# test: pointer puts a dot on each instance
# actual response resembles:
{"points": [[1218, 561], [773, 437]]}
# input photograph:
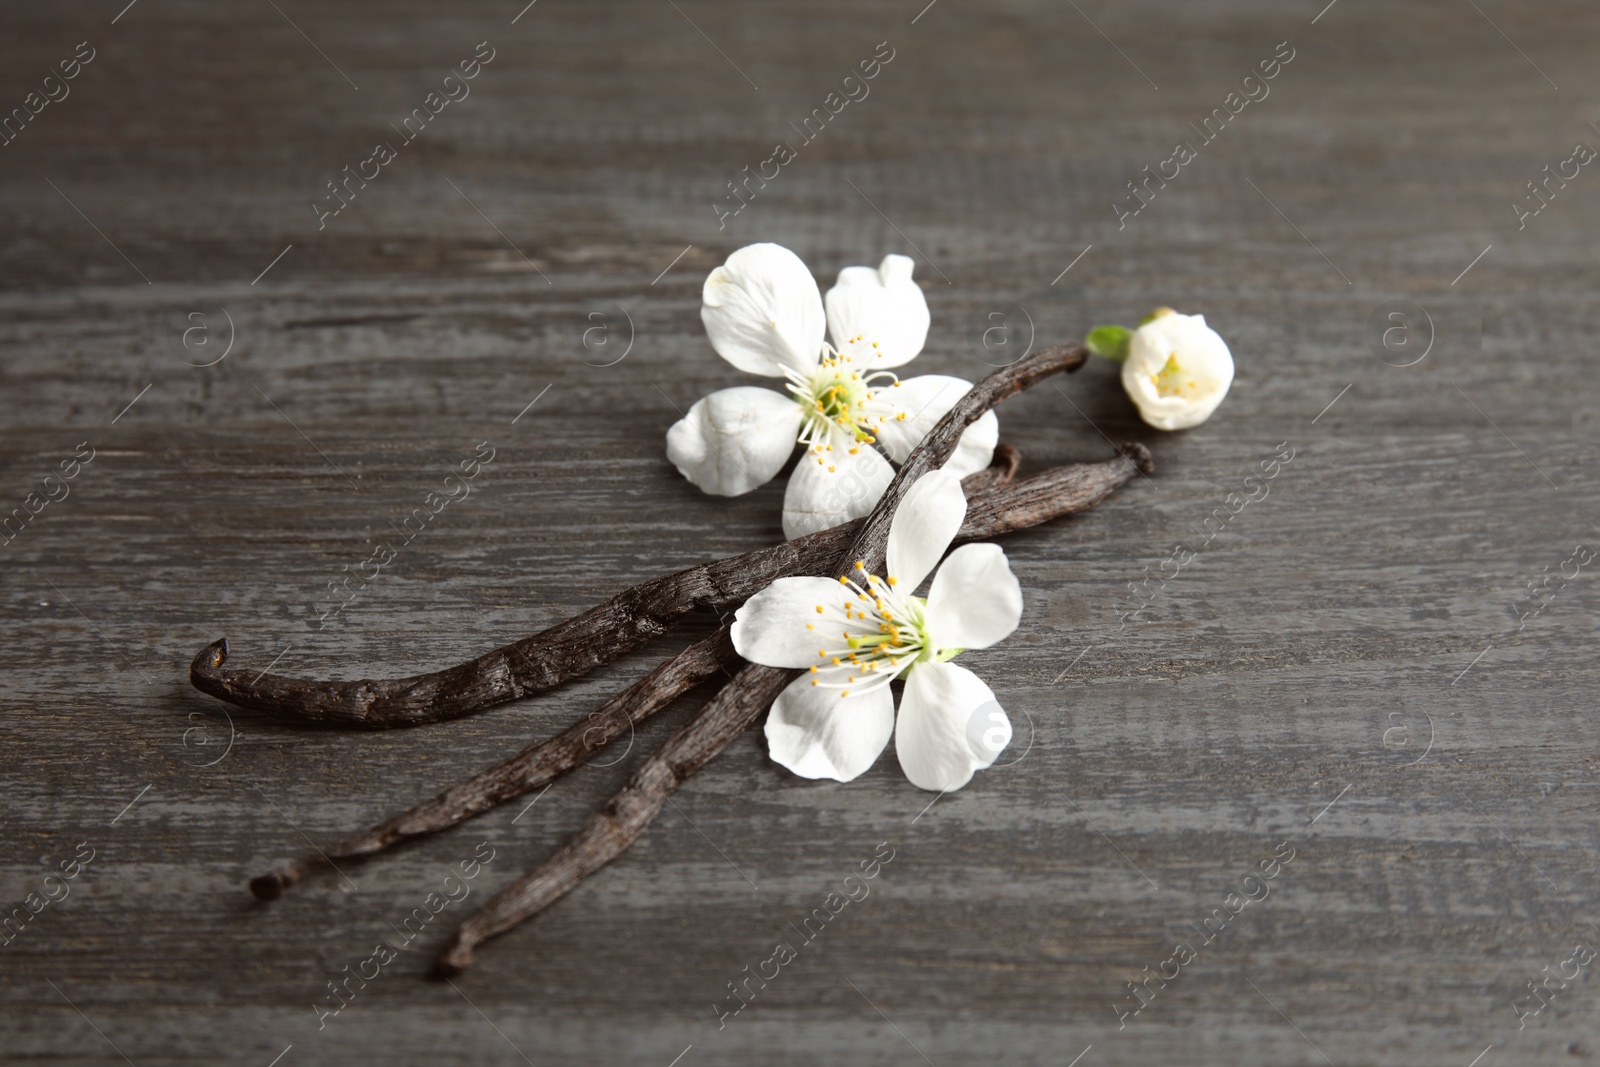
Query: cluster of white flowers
{"points": [[844, 403]]}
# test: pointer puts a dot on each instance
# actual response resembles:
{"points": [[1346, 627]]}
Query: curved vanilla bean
{"points": [[609, 832], [560, 653], [741, 702], [529, 769], [567, 650]]}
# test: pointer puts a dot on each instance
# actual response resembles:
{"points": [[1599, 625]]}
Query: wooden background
{"points": [[1350, 641]]}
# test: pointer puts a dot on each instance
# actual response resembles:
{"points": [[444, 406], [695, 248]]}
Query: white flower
{"points": [[856, 634], [763, 314], [1178, 370]]}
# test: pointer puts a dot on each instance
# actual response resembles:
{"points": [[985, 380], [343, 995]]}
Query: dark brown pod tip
{"points": [[268, 886], [1139, 454], [210, 658], [456, 958]]}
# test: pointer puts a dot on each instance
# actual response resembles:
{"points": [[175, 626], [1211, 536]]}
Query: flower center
{"points": [[834, 395], [1172, 380], [882, 634], [837, 396]]}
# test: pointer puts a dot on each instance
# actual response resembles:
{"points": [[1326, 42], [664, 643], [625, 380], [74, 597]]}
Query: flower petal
{"points": [[735, 439], [816, 733], [781, 626], [950, 725], [884, 308], [834, 486], [925, 399], [923, 527], [975, 601], [762, 311]]}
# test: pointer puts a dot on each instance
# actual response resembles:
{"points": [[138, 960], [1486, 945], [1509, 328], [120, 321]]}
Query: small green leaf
{"points": [[1111, 342]]}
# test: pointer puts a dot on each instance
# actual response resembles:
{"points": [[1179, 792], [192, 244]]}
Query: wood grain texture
{"points": [[1304, 657]]}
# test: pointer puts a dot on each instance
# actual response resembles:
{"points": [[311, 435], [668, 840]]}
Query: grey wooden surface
{"points": [[1340, 668]]}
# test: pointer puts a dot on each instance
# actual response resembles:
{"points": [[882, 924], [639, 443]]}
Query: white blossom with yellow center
{"points": [[764, 314], [1177, 371], [857, 633]]}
